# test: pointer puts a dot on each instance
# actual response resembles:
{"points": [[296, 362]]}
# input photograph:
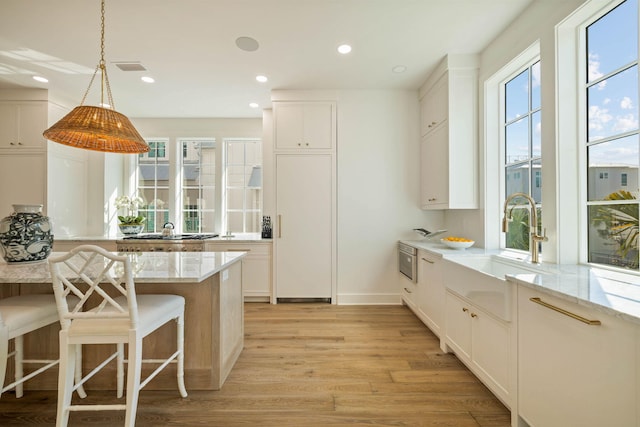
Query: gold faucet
{"points": [[533, 225]]}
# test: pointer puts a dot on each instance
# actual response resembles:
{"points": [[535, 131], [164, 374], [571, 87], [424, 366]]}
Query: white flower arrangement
{"points": [[130, 204]]}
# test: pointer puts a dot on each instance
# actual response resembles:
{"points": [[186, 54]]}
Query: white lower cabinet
{"points": [[572, 373], [430, 299], [409, 293], [482, 342], [256, 267]]}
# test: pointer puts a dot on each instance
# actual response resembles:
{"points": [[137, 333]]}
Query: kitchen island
{"points": [[210, 282]]}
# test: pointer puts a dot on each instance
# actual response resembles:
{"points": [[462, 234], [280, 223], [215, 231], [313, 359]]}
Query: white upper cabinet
{"points": [[434, 107], [22, 124], [304, 125], [449, 146]]}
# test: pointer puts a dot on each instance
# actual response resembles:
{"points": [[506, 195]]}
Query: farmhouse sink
{"points": [[496, 266], [482, 280]]}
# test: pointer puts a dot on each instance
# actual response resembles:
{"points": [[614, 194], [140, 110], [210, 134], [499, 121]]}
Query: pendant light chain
{"points": [[99, 128], [104, 78]]}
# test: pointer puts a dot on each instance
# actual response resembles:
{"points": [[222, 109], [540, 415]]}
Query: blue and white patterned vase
{"points": [[25, 235]]}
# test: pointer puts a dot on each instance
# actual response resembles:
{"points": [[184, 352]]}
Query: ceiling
{"points": [[189, 48]]}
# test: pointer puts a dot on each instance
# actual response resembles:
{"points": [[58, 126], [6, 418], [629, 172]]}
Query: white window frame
{"points": [[494, 143], [571, 117], [224, 209]]}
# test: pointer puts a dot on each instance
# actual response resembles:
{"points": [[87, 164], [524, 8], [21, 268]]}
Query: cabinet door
{"points": [[23, 180], [256, 266], [33, 122], [435, 169], [431, 292], [571, 373], [490, 350], [434, 106], [304, 226], [458, 329], [409, 292], [22, 124], [309, 125], [288, 125]]}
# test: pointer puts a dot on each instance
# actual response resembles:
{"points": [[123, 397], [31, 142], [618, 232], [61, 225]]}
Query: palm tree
{"points": [[619, 223]]}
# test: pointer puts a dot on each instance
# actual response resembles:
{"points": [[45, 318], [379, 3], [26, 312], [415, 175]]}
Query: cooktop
{"points": [[156, 236]]}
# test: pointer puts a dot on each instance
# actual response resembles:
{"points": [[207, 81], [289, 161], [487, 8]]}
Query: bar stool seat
{"points": [[20, 315]]}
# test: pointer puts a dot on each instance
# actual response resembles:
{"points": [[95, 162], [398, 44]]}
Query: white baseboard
{"points": [[369, 299]]}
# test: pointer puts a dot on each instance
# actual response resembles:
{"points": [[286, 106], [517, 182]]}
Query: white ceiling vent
{"points": [[130, 66]]}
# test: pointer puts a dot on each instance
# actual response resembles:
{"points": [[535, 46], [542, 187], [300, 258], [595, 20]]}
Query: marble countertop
{"points": [[149, 267], [611, 292]]}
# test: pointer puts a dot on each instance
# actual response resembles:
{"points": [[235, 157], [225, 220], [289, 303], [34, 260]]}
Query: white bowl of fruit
{"points": [[457, 242]]}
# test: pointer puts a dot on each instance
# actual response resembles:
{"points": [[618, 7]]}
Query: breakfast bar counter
{"points": [[210, 282]]}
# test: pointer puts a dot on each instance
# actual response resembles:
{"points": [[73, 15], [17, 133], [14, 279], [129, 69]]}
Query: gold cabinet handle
{"points": [[465, 309], [279, 226], [474, 315], [537, 300], [429, 261], [407, 290]]}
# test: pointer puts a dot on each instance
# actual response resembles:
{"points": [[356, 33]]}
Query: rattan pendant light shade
{"points": [[98, 128]]}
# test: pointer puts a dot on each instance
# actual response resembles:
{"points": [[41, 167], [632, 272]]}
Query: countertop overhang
{"points": [[148, 267]]}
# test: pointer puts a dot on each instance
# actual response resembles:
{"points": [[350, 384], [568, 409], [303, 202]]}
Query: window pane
{"points": [[235, 154], [608, 162], [235, 198], [613, 235], [237, 176], [235, 222], [536, 181], [535, 86], [536, 135], [613, 105], [198, 185], [517, 179], [517, 141], [517, 96], [612, 40], [517, 237]]}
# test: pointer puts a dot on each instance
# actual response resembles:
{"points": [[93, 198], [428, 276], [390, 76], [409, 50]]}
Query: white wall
{"points": [[378, 191]]}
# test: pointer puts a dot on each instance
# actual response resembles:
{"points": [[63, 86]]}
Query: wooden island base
{"points": [[214, 335]]}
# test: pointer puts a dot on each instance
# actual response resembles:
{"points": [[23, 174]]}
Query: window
{"points": [[197, 190], [243, 185], [611, 143], [179, 181], [153, 185], [522, 159]]}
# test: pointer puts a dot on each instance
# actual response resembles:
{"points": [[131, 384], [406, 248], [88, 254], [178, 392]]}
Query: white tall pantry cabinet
{"points": [[304, 136]]}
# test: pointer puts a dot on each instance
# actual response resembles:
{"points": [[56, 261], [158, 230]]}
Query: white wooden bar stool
{"points": [[20, 315], [109, 312]]}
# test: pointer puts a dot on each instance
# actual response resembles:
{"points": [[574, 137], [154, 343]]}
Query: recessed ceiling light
{"points": [[399, 69], [261, 78], [147, 79], [254, 105], [40, 79], [247, 43], [344, 49]]}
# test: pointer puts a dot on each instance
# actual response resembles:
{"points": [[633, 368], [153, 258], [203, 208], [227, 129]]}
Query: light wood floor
{"points": [[311, 365]]}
